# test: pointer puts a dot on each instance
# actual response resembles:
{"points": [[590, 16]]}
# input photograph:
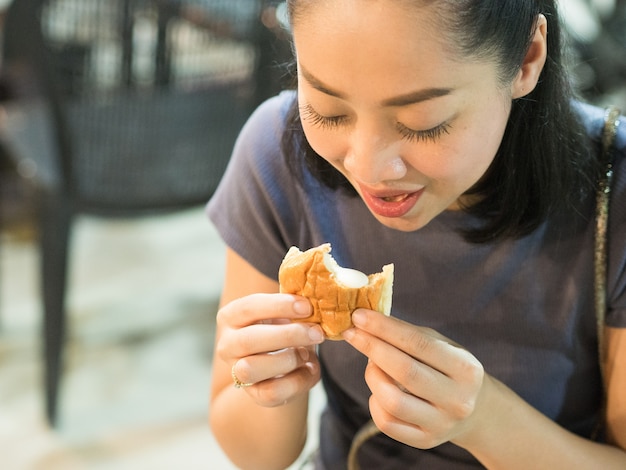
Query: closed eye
{"points": [[423, 136], [316, 119], [309, 114]]}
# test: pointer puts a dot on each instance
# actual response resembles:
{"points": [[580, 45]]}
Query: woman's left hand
{"points": [[426, 390]]}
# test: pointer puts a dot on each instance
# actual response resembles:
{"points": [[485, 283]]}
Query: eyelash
{"points": [[316, 119], [332, 122], [433, 134]]}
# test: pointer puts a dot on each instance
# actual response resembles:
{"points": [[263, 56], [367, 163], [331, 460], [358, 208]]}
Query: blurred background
{"points": [[117, 118]]}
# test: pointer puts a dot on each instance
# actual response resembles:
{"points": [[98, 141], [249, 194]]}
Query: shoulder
{"points": [[258, 204], [593, 118], [258, 152], [617, 227], [269, 118], [258, 156]]}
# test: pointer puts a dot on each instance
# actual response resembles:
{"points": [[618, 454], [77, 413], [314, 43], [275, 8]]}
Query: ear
{"points": [[528, 76]]}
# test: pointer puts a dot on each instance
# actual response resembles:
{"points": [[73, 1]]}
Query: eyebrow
{"points": [[402, 100]]}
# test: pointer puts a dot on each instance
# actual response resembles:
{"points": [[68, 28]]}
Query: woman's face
{"points": [[382, 99]]}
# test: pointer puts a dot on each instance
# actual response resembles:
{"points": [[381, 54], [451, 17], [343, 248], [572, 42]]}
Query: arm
{"points": [[264, 425], [616, 386], [426, 390]]}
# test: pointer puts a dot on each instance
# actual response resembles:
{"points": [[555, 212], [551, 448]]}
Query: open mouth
{"points": [[398, 198], [391, 205]]}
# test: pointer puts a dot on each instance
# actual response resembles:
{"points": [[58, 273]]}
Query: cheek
{"points": [[466, 153], [329, 147]]}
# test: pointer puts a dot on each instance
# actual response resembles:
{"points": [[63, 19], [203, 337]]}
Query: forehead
{"points": [[407, 22], [437, 12], [389, 42], [301, 8]]}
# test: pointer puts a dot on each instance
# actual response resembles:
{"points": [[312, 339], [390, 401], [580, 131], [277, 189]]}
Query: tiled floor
{"points": [[142, 302]]}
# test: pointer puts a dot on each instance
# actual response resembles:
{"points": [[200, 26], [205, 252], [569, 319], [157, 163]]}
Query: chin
{"points": [[404, 224]]}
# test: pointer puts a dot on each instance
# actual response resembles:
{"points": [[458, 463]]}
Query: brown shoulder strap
{"points": [[611, 124]]}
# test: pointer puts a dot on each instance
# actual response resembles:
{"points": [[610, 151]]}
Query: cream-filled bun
{"points": [[334, 292]]}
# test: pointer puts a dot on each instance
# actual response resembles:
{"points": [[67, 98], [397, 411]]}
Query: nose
{"points": [[373, 158]]}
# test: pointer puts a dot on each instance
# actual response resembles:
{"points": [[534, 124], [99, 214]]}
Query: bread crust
{"points": [[307, 273]]}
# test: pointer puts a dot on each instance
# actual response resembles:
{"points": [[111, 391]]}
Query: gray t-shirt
{"points": [[523, 307]]}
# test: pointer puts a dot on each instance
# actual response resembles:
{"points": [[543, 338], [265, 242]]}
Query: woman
{"points": [[441, 136]]}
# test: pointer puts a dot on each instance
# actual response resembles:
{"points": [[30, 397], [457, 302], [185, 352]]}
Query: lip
{"points": [[379, 203]]}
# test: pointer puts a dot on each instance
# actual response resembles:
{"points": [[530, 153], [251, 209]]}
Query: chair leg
{"points": [[55, 225]]}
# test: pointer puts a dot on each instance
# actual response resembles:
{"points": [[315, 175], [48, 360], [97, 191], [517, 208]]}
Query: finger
{"points": [[400, 333], [253, 369], [453, 397], [418, 378], [258, 308], [262, 338], [400, 430], [403, 416], [424, 344], [396, 401], [281, 390]]}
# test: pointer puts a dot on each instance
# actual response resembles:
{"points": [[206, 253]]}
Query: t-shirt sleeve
{"points": [[616, 316], [257, 206]]}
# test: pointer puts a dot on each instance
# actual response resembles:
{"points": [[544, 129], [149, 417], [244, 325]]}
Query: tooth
{"points": [[395, 198]]}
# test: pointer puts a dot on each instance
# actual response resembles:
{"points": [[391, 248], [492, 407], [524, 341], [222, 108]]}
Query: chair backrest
{"points": [[146, 97]]}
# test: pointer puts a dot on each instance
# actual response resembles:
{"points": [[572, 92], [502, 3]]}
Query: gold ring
{"points": [[238, 383]]}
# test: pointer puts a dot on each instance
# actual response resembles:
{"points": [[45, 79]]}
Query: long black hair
{"points": [[544, 163]]}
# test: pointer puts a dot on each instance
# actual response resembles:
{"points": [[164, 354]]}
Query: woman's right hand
{"points": [[272, 356]]}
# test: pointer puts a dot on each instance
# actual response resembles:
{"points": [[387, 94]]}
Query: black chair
{"points": [[123, 108]]}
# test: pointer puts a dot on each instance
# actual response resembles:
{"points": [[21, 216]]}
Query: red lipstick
{"points": [[390, 203]]}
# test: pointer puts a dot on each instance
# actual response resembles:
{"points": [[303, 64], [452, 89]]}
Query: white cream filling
{"points": [[347, 277]]}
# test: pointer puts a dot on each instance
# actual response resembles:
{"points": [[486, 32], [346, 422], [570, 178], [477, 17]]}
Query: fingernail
{"points": [[358, 318], [316, 335], [302, 308], [311, 367], [348, 334], [303, 353]]}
